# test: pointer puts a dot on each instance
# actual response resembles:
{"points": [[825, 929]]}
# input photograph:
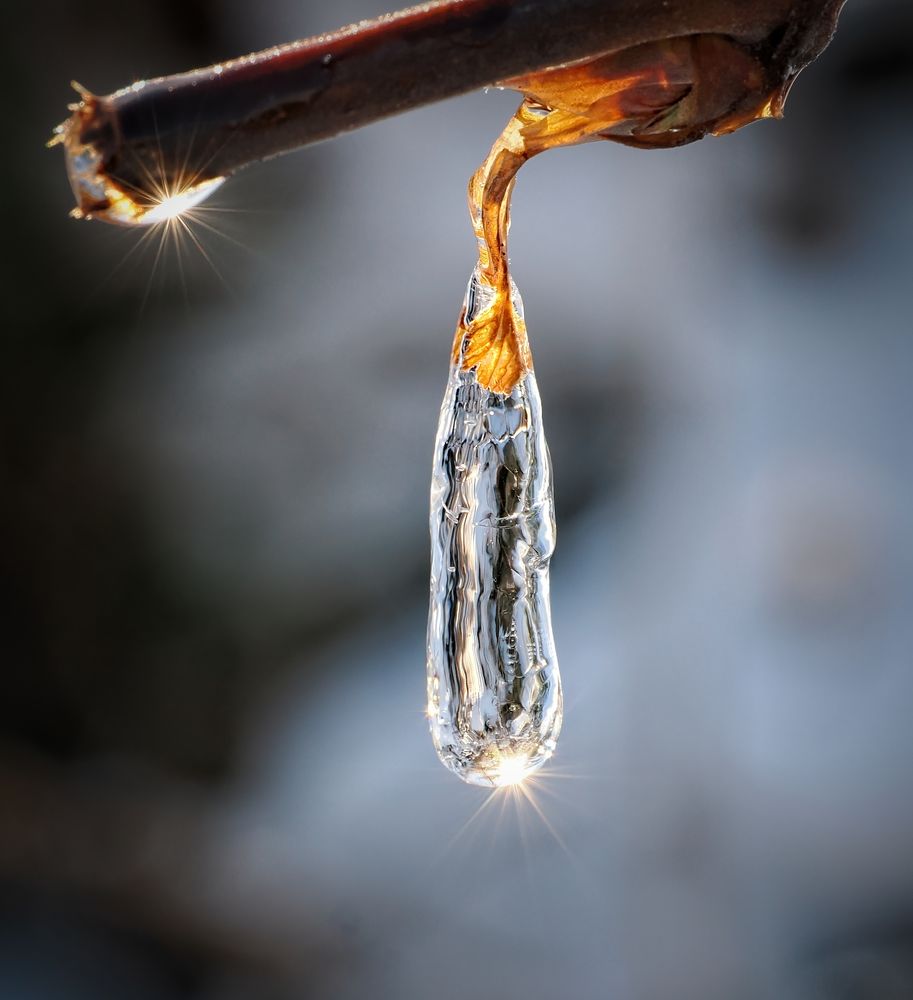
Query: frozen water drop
{"points": [[494, 690]]}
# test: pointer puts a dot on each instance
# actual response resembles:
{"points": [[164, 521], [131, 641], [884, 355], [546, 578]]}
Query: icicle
{"points": [[494, 691]]}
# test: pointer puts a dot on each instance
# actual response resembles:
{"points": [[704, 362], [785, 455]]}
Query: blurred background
{"points": [[215, 776]]}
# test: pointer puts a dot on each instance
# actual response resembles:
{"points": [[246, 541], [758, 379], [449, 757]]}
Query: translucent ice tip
{"points": [[99, 197], [173, 205]]}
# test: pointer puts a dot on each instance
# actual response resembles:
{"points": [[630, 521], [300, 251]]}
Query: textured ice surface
{"points": [[494, 691]]}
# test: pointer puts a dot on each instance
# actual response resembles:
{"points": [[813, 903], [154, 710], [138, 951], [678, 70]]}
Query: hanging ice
{"points": [[494, 691]]}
